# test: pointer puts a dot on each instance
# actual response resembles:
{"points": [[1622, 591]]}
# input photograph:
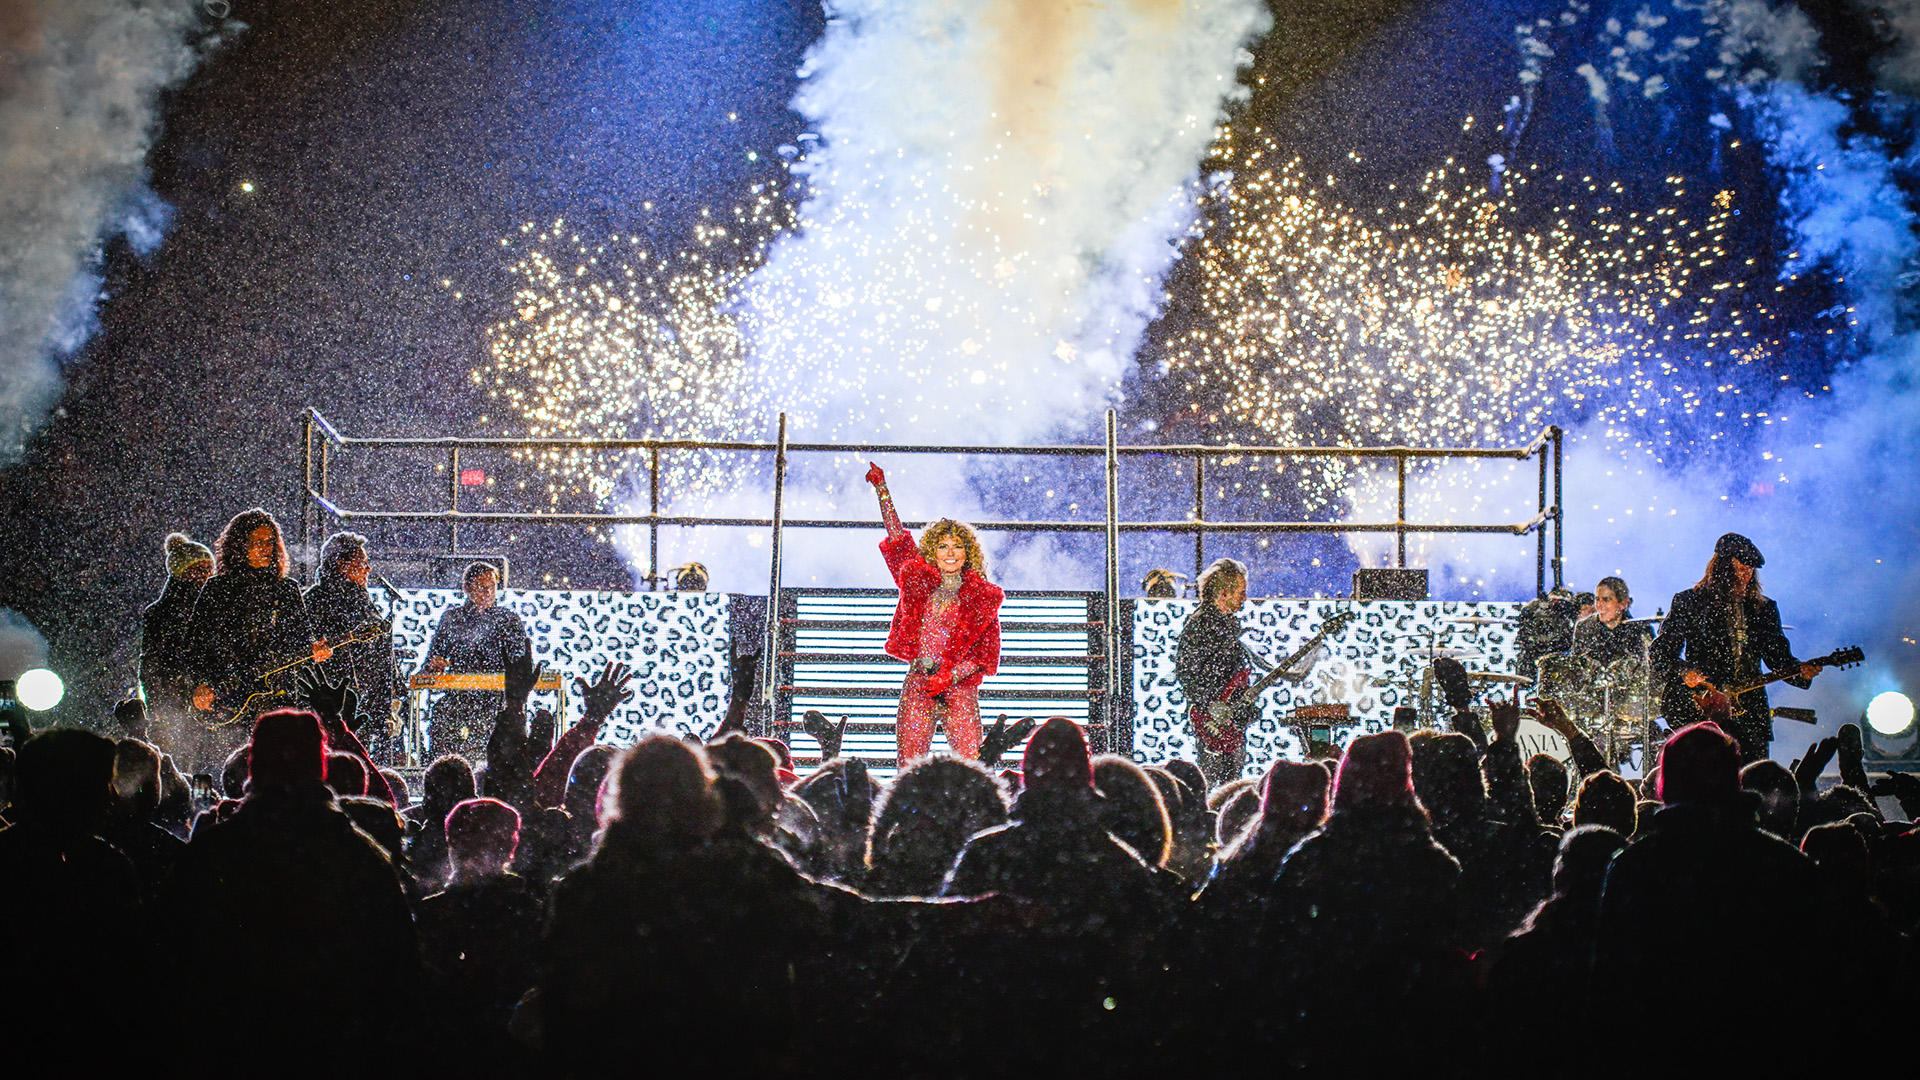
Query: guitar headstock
{"points": [[1842, 658]]}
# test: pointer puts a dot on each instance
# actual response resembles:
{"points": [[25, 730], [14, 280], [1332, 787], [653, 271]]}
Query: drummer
{"points": [[1607, 634]]}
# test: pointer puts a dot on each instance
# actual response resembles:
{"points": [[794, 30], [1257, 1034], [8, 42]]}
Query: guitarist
{"points": [[1209, 654], [1719, 632], [248, 619], [337, 607]]}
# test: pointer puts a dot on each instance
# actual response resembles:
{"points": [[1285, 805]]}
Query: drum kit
{"points": [[1611, 702]]}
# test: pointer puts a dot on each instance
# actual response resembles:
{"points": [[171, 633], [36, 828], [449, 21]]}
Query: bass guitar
{"points": [[1719, 704], [1241, 695], [225, 714]]}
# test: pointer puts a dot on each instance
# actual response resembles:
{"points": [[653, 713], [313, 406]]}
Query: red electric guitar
{"points": [[1242, 695], [1720, 705]]}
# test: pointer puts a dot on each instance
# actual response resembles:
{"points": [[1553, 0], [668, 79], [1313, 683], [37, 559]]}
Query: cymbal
{"points": [[1499, 676], [1454, 654], [1481, 620]]}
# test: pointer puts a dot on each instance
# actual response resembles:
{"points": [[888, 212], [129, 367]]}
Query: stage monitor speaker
{"points": [[1377, 584]]}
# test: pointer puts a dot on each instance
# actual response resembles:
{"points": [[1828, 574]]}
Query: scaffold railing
{"points": [[321, 440]]}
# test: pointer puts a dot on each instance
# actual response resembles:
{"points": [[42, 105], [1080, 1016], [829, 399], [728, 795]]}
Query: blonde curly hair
{"points": [[945, 527]]}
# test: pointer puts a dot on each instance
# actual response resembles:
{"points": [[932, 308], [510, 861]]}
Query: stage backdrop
{"points": [[1373, 665], [676, 643]]}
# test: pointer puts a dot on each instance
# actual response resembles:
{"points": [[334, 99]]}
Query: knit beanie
{"points": [[183, 552]]}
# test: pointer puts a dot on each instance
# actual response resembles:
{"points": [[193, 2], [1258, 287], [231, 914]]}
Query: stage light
{"points": [[1890, 713], [40, 689]]}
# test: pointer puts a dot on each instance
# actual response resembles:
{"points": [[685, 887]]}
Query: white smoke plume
{"points": [[997, 190], [78, 84], [22, 648]]}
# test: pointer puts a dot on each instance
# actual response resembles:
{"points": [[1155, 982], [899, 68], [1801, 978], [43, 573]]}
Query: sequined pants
{"points": [[914, 723]]}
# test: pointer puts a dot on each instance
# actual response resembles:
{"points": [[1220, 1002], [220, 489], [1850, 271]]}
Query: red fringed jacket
{"points": [[977, 638]]}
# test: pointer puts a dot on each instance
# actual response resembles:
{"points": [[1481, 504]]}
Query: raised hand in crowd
{"points": [[814, 722], [600, 697], [1853, 757], [1505, 715], [338, 707], [1587, 757], [522, 675], [1904, 787], [1003, 738], [333, 702], [1807, 770]]}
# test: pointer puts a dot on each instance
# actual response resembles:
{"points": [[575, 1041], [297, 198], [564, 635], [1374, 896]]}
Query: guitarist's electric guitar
{"points": [[225, 714], [1242, 696], [1718, 704]]}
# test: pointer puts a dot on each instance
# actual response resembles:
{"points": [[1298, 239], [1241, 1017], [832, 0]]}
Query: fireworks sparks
{"points": [[1446, 318]]}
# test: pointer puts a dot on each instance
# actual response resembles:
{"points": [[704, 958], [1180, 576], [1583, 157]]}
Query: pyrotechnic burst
{"points": [[611, 340], [1448, 318]]}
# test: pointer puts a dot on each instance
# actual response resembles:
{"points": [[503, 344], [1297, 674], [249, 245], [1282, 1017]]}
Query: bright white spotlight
{"points": [[1889, 714], [41, 689]]}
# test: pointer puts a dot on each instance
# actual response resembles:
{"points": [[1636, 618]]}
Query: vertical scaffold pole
{"points": [[1400, 514], [653, 527], [453, 501], [1540, 537], [1559, 513], [769, 660], [1113, 577], [1199, 515], [307, 508]]}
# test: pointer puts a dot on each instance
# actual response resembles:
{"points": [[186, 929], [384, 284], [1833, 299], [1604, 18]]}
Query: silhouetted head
{"points": [[1131, 808], [754, 766], [584, 783], [482, 835], [1237, 815], [1446, 776], [136, 779], [1779, 795], [1057, 757], [1293, 797], [63, 781], [448, 782], [1580, 869], [1376, 774], [379, 821], [1643, 812], [1547, 777], [1196, 781], [1605, 800], [346, 775], [660, 797], [398, 785], [924, 818], [1842, 855], [233, 773], [288, 751], [1700, 762]]}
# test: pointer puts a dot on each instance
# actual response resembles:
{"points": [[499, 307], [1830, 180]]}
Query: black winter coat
{"points": [[1698, 634], [163, 639], [299, 931], [336, 607], [246, 622]]}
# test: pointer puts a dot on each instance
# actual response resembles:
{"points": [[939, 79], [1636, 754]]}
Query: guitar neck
{"points": [[1285, 667]]}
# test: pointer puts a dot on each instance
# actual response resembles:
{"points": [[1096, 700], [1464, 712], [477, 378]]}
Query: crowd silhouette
{"points": [[1436, 903]]}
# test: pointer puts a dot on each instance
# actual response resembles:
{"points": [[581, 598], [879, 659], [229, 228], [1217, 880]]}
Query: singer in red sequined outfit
{"points": [[946, 626]]}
